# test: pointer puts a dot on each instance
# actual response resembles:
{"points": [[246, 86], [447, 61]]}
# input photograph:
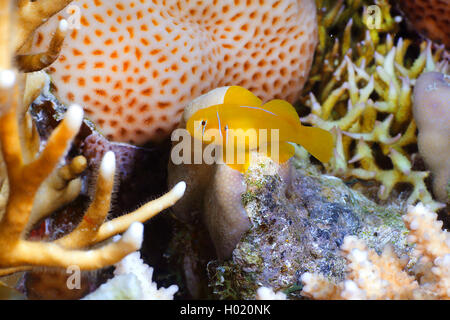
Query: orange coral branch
{"points": [[31, 14], [142, 214], [28, 174], [87, 230], [53, 255], [61, 187], [26, 178], [57, 144], [39, 61], [5, 34]]}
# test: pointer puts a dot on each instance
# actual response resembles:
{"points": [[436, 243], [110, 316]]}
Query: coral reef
{"points": [[135, 83], [429, 17], [365, 97], [25, 178], [347, 229], [361, 89], [432, 115], [385, 276], [27, 165], [132, 281]]}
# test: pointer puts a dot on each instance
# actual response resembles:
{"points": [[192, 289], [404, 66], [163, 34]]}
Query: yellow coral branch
{"points": [[25, 179], [57, 145], [95, 215]]}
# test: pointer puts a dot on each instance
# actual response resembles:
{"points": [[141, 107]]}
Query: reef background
{"points": [[183, 254]]}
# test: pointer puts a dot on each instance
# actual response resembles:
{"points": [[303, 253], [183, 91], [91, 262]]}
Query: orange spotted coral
{"points": [[30, 170], [134, 65]]}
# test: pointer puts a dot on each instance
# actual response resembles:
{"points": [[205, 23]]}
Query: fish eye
{"points": [[203, 122]]}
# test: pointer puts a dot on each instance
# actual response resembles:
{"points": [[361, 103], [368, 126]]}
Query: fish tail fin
{"points": [[316, 141]]}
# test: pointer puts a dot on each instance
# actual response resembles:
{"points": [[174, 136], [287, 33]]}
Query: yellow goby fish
{"points": [[242, 124]]}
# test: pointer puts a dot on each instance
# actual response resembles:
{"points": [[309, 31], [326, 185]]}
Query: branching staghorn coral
{"points": [[367, 99], [28, 16], [385, 276], [64, 184], [28, 169], [341, 27], [24, 182], [17, 23]]}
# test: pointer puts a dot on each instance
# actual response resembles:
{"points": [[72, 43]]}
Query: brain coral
{"points": [[134, 65]]}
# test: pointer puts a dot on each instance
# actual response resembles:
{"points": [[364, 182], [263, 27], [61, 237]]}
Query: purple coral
{"points": [[432, 114]]}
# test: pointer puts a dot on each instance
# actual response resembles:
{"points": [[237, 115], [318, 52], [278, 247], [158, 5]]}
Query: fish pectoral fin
{"points": [[318, 142], [236, 158], [280, 152], [239, 167]]}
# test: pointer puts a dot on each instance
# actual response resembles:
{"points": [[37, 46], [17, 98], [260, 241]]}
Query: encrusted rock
{"points": [[297, 227]]}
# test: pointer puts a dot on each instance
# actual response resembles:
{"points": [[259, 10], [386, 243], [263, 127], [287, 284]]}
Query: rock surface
{"points": [[297, 227]]}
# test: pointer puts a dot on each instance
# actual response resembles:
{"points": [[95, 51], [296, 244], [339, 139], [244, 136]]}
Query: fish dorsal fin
{"points": [[241, 96], [283, 109]]}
